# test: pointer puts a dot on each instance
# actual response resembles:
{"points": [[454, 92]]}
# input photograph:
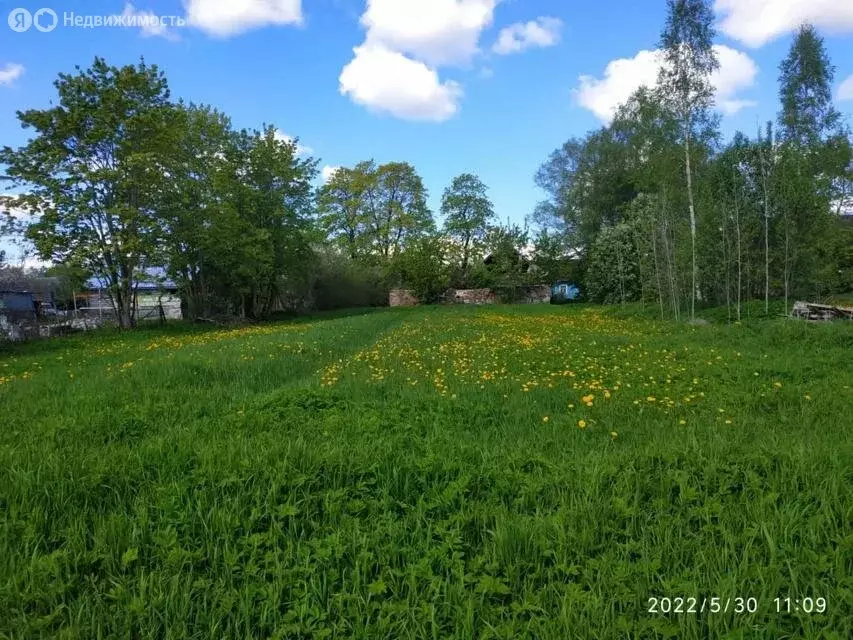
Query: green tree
{"points": [[809, 164], [91, 170], [271, 189], [467, 212], [808, 115], [398, 211], [345, 204], [685, 86], [423, 268]]}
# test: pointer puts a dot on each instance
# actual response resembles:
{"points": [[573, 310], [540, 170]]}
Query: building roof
{"points": [[152, 279]]}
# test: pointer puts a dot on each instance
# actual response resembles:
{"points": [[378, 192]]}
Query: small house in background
{"points": [[154, 293], [564, 292], [17, 303], [18, 315]]}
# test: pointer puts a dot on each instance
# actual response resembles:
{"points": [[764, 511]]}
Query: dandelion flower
{"points": [[582, 424]]}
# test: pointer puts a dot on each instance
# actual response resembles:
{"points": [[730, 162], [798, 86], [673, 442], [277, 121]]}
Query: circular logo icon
{"points": [[20, 20], [51, 20]]}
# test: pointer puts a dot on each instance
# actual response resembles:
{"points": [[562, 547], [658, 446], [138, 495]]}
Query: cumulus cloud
{"points": [[737, 72], [151, 25], [301, 150], [232, 17], [437, 32], [387, 81], [624, 76], [542, 32], [9, 73], [395, 70], [328, 172], [757, 22], [845, 91]]}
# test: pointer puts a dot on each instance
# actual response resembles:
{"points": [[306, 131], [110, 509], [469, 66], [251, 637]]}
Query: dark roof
{"points": [[17, 301], [153, 279]]}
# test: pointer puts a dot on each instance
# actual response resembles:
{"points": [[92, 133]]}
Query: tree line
{"points": [[668, 213], [123, 181]]}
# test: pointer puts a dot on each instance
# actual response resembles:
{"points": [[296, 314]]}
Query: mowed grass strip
{"points": [[502, 472]]}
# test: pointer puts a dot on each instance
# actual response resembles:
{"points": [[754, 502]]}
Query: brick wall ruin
{"points": [[540, 294], [402, 298], [471, 296]]}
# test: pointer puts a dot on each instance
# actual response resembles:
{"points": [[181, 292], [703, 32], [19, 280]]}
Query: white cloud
{"points": [[757, 22], [151, 25], [328, 172], [845, 91], [225, 18], [437, 32], [621, 78], [301, 150], [624, 76], [395, 70], [542, 32], [9, 73], [737, 72], [387, 81]]}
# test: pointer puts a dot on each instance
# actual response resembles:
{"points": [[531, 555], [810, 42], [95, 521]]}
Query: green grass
{"points": [[425, 474]]}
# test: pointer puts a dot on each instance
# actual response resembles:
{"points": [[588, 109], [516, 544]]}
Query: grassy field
{"points": [[503, 472]]}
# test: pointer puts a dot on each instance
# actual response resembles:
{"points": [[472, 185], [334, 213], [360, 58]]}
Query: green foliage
{"points": [[372, 211], [805, 91], [423, 268], [506, 266], [91, 170], [554, 260], [707, 223], [343, 208], [612, 275], [689, 59], [467, 213], [217, 488], [341, 283]]}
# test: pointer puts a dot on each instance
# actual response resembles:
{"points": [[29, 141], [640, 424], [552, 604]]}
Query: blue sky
{"points": [[486, 86]]}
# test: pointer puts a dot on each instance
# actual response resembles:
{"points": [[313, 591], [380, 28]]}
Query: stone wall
{"points": [[539, 294], [18, 326], [402, 298], [471, 296]]}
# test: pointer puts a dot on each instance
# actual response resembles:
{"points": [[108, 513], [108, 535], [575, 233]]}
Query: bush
{"points": [[342, 283]]}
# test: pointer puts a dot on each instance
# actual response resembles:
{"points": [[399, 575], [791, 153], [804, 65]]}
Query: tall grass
{"points": [[507, 472]]}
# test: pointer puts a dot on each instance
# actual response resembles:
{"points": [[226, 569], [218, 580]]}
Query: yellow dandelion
{"points": [[582, 424], [545, 419]]}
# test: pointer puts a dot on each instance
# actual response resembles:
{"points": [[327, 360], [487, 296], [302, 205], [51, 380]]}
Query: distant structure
{"points": [[536, 294], [564, 292]]}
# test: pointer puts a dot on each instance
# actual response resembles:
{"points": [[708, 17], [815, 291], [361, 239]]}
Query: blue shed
{"points": [[564, 292], [17, 302]]}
